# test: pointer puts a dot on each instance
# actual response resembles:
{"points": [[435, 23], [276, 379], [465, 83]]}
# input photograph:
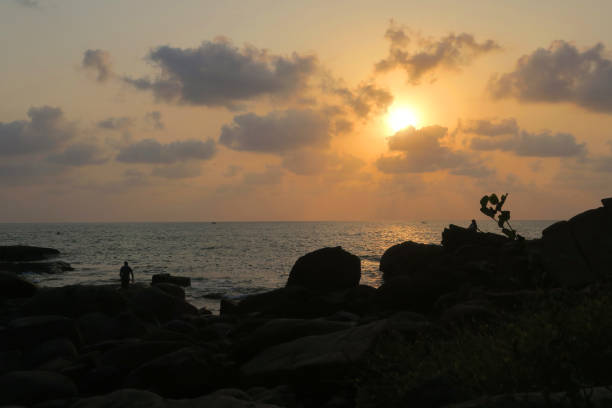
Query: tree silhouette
{"points": [[491, 205]]}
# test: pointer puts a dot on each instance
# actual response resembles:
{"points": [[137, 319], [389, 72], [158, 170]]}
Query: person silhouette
{"points": [[473, 226], [125, 272]]}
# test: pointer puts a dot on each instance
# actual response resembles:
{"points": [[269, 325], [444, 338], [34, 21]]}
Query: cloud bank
{"points": [[219, 74], [152, 151], [559, 73], [277, 132], [428, 55]]}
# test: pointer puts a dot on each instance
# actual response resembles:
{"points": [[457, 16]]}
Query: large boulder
{"points": [[592, 231], [76, 300], [455, 236], [278, 331], [416, 293], [13, 286], [36, 267], [153, 304], [312, 359], [167, 278], [326, 269], [185, 373], [408, 258], [26, 332], [24, 253], [58, 348], [129, 398], [31, 387], [129, 356], [563, 262]]}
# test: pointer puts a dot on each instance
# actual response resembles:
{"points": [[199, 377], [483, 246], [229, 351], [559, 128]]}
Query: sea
{"points": [[223, 259]]}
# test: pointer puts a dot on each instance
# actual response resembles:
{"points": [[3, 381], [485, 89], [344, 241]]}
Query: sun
{"points": [[401, 117]]}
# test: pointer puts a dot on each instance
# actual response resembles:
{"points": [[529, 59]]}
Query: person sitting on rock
{"points": [[125, 272], [473, 226]]}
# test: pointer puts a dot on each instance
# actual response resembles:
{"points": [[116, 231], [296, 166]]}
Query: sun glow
{"points": [[401, 117]]}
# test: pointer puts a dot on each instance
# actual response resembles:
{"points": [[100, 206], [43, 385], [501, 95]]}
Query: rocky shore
{"points": [[324, 340]]}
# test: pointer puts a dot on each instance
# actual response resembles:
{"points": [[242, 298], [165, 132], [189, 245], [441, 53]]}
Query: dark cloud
{"points": [[120, 123], [528, 144], [487, 127], [428, 55], [219, 74], [560, 73], [151, 151], [98, 61], [154, 119], [46, 130], [423, 152], [79, 154], [177, 171], [365, 99], [277, 132]]}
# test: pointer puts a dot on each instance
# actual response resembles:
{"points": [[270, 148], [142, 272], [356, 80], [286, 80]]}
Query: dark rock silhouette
{"points": [[12, 286], [167, 278], [326, 269], [408, 258], [24, 253]]}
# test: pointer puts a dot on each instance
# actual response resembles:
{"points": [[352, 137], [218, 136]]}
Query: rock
{"points": [[314, 359], [13, 286], [171, 289], [455, 236], [278, 331], [10, 360], [326, 269], [27, 332], [417, 293], [30, 387], [153, 304], [563, 262], [36, 267], [408, 258], [76, 300], [290, 301], [167, 278], [129, 356], [52, 349], [185, 373], [24, 253], [466, 314], [592, 231], [129, 398]]}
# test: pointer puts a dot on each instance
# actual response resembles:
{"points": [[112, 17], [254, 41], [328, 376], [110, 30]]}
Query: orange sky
{"points": [[276, 110]]}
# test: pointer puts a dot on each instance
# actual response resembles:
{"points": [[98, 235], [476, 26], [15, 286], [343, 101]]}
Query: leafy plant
{"points": [[491, 206]]}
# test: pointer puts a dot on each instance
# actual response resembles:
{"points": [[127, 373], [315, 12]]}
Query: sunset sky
{"points": [[150, 110]]}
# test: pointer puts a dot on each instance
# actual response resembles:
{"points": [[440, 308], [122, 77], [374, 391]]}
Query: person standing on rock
{"points": [[125, 272]]}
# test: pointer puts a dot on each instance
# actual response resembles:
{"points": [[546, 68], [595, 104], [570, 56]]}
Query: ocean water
{"points": [[222, 259]]}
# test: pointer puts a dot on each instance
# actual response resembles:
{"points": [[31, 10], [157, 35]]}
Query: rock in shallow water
{"points": [[24, 253], [13, 286]]}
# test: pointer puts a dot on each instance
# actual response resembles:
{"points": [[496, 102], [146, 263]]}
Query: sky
{"points": [[149, 110]]}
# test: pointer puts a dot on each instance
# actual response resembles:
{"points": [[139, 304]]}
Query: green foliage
{"points": [[562, 346], [503, 216]]}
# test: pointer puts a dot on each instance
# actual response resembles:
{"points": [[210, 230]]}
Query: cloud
{"points": [[423, 152], [19, 174], [487, 127], [560, 73], [271, 175], [98, 61], [151, 151], [177, 171], [46, 130], [277, 132], [428, 55], [506, 135], [219, 74], [154, 119], [365, 99], [112, 123], [79, 154]]}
